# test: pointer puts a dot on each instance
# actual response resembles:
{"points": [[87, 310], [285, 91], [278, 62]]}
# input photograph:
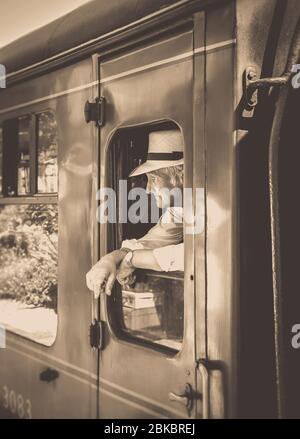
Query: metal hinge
{"points": [[97, 334], [95, 111]]}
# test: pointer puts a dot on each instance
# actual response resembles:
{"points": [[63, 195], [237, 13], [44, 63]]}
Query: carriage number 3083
{"points": [[16, 403]]}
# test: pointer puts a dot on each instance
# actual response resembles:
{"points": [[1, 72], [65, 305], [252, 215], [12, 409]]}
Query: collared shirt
{"points": [[165, 238]]}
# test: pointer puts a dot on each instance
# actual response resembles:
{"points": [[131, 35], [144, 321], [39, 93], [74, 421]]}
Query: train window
{"points": [[152, 308], [47, 152], [29, 227], [30, 155], [28, 274]]}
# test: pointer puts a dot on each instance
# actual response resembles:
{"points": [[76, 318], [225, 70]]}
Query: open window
{"points": [[29, 226], [151, 311]]}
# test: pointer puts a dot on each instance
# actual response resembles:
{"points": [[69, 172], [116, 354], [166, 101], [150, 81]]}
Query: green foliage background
{"points": [[29, 254]]}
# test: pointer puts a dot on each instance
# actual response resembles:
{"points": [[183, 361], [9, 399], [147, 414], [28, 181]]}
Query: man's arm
{"points": [[169, 258], [102, 275], [140, 259], [144, 259]]}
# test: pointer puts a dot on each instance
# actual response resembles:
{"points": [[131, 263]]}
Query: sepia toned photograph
{"points": [[149, 212]]}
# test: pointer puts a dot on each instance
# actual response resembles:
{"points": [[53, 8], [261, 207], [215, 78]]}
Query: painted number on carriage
{"points": [[16, 403], [296, 78]]}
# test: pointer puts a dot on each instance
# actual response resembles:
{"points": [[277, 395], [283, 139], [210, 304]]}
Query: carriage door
{"points": [[148, 364]]}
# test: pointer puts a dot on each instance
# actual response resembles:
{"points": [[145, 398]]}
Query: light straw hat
{"points": [[165, 149]]}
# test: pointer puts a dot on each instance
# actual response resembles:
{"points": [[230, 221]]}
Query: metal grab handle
{"points": [[205, 390], [252, 84]]}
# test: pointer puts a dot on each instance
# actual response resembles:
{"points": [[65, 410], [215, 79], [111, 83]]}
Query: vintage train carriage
{"points": [[81, 96]]}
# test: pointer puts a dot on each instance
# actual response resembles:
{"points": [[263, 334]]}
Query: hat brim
{"points": [[154, 165]]}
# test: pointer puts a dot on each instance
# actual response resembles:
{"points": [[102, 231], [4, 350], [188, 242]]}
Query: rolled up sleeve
{"points": [[132, 244], [170, 258]]}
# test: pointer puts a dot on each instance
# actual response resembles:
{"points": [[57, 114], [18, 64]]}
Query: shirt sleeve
{"points": [[132, 244], [170, 258]]}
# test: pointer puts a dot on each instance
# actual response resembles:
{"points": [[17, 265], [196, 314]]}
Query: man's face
{"points": [[159, 186]]}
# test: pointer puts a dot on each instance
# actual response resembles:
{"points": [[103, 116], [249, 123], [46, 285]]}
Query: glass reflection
{"points": [[24, 156], [47, 152], [154, 309]]}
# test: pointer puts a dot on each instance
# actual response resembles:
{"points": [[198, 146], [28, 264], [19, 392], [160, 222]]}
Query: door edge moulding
{"points": [[182, 57]]}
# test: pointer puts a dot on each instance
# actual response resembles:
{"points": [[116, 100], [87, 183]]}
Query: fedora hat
{"points": [[165, 148]]}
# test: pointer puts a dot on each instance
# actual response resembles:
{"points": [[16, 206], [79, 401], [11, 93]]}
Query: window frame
{"points": [[34, 197], [113, 307], [46, 197]]}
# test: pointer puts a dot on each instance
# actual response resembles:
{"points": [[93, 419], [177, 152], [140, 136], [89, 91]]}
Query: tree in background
{"points": [[29, 254]]}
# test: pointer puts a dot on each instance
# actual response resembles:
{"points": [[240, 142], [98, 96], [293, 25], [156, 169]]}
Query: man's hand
{"points": [[125, 274], [102, 276]]}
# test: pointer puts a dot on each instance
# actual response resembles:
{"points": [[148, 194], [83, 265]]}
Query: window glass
{"points": [[29, 230], [47, 152], [24, 155], [152, 309], [28, 270]]}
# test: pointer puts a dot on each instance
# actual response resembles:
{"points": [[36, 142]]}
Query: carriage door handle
{"points": [[49, 375], [186, 399]]}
